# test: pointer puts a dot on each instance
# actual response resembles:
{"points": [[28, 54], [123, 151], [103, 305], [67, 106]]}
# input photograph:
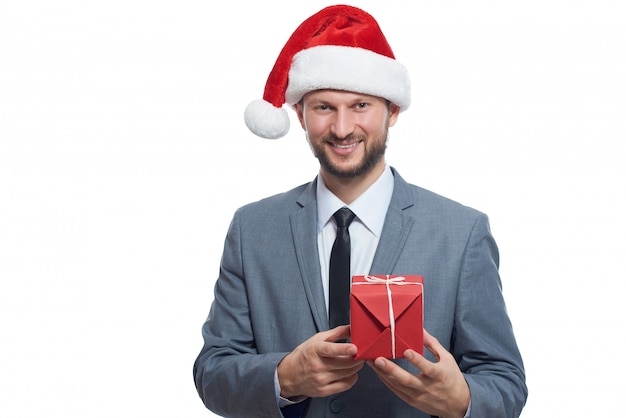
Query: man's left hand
{"points": [[438, 389]]}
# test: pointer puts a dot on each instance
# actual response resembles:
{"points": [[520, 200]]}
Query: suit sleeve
{"points": [[231, 377], [483, 342]]}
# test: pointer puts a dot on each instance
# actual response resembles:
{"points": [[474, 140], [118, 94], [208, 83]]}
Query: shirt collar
{"points": [[370, 208]]}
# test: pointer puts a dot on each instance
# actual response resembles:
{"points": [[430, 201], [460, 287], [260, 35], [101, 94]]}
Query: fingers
{"points": [[402, 381], [433, 345], [338, 333], [439, 388], [335, 350], [398, 380], [319, 366], [425, 366]]}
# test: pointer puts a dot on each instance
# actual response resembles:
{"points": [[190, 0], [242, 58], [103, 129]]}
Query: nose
{"points": [[343, 124]]}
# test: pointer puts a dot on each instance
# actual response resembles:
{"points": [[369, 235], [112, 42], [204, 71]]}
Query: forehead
{"points": [[339, 96]]}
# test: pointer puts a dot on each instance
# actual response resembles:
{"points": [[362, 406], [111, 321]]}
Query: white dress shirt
{"points": [[370, 209]]}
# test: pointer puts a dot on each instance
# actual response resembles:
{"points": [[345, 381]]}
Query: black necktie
{"points": [[339, 272]]}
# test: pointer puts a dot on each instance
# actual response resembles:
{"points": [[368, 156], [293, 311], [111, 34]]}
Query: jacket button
{"points": [[336, 406]]}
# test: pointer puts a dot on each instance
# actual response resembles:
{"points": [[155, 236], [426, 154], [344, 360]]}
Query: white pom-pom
{"points": [[266, 120]]}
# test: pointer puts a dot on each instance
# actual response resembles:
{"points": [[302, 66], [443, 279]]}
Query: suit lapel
{"points": [[304, 233], [396, 228]]}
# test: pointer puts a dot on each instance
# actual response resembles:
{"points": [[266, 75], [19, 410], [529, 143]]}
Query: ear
{"points": [[394, 112], [299, 108]]}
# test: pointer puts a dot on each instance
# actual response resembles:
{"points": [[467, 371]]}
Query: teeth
{"points": [[346, 146]]}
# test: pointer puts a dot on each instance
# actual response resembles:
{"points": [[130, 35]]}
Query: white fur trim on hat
{"points": [[351, 69]]}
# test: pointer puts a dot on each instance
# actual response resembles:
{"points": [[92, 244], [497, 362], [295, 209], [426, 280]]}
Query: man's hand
{"points": [[320, 366], [439, 389]]}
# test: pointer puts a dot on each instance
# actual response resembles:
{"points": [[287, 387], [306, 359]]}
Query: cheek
{"points": [[314, 127], [373, 125]]}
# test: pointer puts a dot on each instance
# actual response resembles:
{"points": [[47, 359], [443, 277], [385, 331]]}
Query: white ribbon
{"points": [[398, 280]]}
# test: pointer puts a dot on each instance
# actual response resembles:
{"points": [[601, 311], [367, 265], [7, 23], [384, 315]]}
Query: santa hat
{"points": [[341, 48]]}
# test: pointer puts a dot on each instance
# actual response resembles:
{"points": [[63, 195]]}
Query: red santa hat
{"points": [[341, 48]]}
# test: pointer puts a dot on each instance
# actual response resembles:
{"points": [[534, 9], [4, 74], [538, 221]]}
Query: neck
{"points": [[348, 189]]}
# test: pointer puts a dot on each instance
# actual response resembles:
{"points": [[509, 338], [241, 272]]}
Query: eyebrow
{"points": [[350, 102]]}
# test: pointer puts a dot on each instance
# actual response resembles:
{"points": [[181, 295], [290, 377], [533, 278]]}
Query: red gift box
{"points": [[386, 315]]}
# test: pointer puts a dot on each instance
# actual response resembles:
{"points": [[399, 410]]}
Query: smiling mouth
{"points": [[346, 146]]}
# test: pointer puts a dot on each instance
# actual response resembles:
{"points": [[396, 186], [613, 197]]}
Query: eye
{"points": [[361, 105], [321, 107]]}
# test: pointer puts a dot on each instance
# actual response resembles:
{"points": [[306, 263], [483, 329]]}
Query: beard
{"points": [[374, 151]]}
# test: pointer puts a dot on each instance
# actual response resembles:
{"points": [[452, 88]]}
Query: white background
{"points": [[123, 154]]}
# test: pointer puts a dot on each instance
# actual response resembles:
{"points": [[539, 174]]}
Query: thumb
{"points": [[338, 333], [433, 345]]}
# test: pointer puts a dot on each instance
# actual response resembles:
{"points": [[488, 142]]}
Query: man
{"points": [[270, 349]]}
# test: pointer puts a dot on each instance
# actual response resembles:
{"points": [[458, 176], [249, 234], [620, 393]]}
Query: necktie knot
{"points": [[344, 217]]}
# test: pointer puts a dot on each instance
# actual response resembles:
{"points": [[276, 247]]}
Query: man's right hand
{"points": [[320, 366]]}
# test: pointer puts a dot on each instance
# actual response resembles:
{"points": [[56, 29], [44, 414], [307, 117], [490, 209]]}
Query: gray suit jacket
{"points": [[269, 299]]}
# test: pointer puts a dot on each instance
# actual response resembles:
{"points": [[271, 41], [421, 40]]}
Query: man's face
{"points": [[346, 131]]}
